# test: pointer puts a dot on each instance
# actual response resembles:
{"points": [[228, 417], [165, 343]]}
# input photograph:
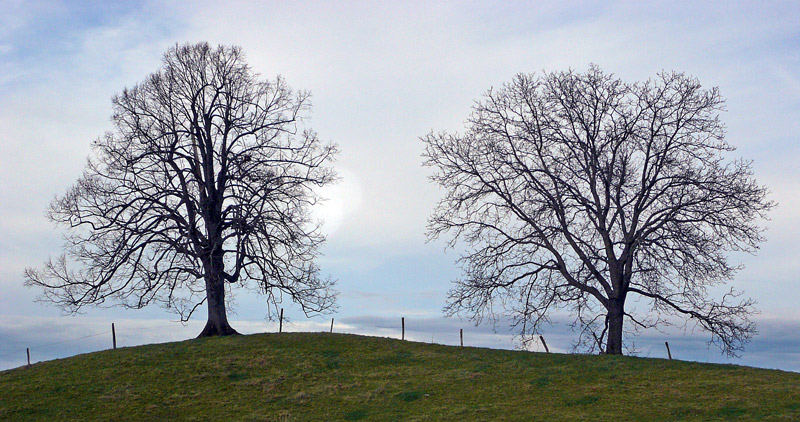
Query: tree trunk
{"points": [[615, 318], [217, 324]]}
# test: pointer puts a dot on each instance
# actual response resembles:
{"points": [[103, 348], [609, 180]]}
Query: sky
{"points": [[383, 74]]}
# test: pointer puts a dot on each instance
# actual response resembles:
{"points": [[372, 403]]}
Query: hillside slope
{"points": [[320, 376]]}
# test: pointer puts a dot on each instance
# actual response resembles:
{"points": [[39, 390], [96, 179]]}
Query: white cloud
{"points": [[381, 76]]}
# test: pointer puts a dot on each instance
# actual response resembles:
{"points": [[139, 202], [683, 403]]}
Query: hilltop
{"points": [[321, 376]]}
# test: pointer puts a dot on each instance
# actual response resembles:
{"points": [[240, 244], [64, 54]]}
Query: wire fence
{"points": [[22, 352]]}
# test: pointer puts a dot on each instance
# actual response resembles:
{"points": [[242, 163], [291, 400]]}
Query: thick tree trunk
{"points": [[615, 318], [217, 324]]}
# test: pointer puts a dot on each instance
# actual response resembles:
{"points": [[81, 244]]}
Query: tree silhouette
{"points": [[579, 191], [205, 183]]}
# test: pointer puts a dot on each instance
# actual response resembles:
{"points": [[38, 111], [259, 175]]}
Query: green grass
{"points": [[318, 376]]}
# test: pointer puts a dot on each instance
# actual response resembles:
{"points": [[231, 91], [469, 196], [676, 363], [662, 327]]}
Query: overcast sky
{"points": [[382, 74]]}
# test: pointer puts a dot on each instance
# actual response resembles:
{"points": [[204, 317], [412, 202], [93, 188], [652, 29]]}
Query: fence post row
{"points": [[280, 330]]}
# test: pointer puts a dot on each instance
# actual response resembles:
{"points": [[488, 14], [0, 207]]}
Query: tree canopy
{"points": [[205, 183], [578, 191]]}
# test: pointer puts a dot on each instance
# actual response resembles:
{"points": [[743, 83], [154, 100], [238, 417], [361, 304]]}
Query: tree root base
{"points": [[212, 330]]}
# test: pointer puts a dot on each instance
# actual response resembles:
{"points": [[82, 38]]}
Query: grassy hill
{"points": [[319, 376]]}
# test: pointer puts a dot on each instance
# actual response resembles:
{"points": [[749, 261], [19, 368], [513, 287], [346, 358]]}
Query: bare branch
{"points": [[577, 189], [206, 178]]}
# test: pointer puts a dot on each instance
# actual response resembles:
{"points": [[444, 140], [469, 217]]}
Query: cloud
{"points": [[401, 71], [381, 76]]}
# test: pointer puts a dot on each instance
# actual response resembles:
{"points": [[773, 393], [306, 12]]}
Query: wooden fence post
{"points": [[114, 336], [331, 324], [280, 322], [461, 334], [668, 352], [546, 349], [403, 328], [28, 351]]}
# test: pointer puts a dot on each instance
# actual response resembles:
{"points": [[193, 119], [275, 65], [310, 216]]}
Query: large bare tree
{"points": [[580, 192], [205, 183]]}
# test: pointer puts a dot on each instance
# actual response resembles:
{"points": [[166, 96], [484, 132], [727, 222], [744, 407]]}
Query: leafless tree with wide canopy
{"points": [[578, 191], [204, 184]]}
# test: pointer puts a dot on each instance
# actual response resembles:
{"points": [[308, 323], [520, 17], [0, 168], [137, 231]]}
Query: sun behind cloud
{"points": [[337, 201]]}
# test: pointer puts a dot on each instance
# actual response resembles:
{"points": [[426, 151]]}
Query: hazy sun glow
{"points": [[338, 200]]}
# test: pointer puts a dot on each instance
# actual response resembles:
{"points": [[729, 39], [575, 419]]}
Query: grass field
{"points": [[320, 376]]}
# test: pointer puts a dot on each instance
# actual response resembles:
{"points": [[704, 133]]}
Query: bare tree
{"points": [[580, 191], [205, 183]]}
